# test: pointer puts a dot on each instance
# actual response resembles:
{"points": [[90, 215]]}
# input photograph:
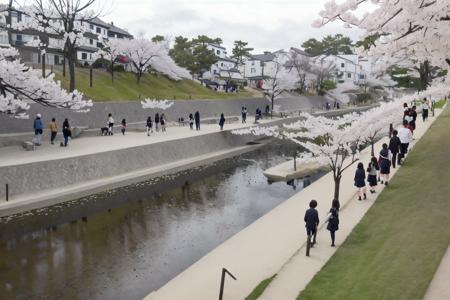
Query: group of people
{"points": [[53, 126], [378, 171], [109, 130]]}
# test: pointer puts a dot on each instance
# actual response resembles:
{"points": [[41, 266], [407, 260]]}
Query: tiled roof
{"points": [[99, 22], [301, 52], [116, 29], [266, 57]]}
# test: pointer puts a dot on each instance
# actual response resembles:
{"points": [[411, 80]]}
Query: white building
{"points": [[224, 73], [347, 68], [26, 41], [259, 67]]}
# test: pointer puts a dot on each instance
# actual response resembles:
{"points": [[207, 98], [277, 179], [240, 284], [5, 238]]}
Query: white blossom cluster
{"points": [[416, 30], [145, 55], [155, 104], [258, 131], [20, 84]]}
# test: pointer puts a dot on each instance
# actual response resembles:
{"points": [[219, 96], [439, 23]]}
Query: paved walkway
{"points": [[274, 244], [439, 288], [15, 155]]}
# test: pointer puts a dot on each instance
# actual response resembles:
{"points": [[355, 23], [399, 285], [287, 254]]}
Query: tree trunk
{"points": [[372, 144], [72, 61], [337, 182], [9, 22], [112, 71], [43, 66], [271, 111], [138, 77], [64, 65]]}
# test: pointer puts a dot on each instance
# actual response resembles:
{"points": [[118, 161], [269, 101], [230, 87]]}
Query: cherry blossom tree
{"points": [[20, 84], [145, 55], [111, 52], [375, 123], [280, 81], [331, 142], [413, 29], [301, 65]]}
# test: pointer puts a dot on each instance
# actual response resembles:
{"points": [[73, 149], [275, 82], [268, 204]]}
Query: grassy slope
{"points": [[395, 250], [126, 88]]}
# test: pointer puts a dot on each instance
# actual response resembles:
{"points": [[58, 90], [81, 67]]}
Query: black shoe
{"points": [[382, 181], [359, 198], [365, 197], [386, 183], [378, 179]]}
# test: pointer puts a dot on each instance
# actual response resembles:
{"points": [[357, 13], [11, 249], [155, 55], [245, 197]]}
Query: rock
{"points": [[77, 131], [29, 146]]}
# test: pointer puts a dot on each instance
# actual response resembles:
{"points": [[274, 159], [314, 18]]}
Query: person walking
{"points": [[385, 164], [149, 125], [38, 129], [53, 126], [66, 132], [394, 147], [425, 109], [157, 120], [360, 181], [372, 174], [110, 124], [123, 124], [244, 116], [221, 121], [163, 122], [405, 136], [333, 220], [311, 221], [197, 120], [191, 121]]}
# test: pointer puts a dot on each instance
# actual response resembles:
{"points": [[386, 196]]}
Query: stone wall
{"points": [[133, 112]]}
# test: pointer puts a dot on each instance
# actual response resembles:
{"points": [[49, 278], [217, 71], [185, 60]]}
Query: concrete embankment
{"points": [[36, 182]]}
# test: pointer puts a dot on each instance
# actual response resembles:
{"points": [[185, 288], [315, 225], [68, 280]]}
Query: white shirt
{"points": [[110, 120], [405, 135], [425, 106]]}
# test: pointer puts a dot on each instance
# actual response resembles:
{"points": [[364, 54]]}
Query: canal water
{"points": [[125, 243]]}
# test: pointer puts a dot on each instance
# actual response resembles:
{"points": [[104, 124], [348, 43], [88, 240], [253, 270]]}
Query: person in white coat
{"points": [[405, 136]]}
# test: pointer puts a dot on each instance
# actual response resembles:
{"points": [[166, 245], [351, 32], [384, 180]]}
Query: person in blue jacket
{"points": [[360, 181], [38, 129]]}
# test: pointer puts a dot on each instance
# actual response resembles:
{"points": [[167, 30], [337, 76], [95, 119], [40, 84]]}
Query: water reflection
{"points": [[151, 232]]}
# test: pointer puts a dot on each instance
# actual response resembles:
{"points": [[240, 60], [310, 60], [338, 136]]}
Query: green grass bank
{"points": [[395, 250], [126, 88]]}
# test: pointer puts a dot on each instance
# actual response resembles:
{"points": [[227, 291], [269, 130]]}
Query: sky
{"points": [[267, 25]]}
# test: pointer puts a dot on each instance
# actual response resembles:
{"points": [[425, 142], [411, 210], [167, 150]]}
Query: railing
{"points": [[222, 282]]}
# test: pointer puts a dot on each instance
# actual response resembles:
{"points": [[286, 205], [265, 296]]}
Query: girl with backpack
{"points": [[372, 174], [123, 124], [385, 164], [360, 181], [333, 220]]}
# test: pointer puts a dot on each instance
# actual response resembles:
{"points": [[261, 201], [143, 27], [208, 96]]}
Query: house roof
{"points": [[301, 52], [87, 49], [227, 59], [266, 57], [99, 22], [116, 29], [217, 46]]}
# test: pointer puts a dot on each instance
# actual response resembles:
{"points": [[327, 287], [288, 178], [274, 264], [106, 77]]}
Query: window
{"points": [[252, 70], [218, 52], [99, 30], [83, 55], [91, 41], [99, 45], [19, 16], [221, 64], [349, 75], [342, 65], [362, 76], [91, 26], [90, 56], [18, 37]]}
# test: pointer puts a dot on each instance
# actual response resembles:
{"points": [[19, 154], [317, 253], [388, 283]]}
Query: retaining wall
{"points": [[133, 112]]}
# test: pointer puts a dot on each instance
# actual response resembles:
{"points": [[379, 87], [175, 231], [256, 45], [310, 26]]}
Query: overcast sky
{"points": [[264, 24]]}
